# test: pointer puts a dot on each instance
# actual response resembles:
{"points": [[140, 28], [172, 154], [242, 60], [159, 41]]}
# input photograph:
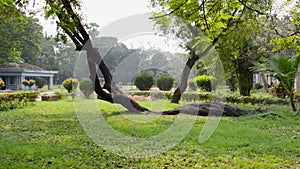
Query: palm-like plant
{"points": [[284, 68]]}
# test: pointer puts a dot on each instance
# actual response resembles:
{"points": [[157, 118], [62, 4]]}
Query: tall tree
{"points": [[240, 51], [10, 17], [57, 56], [21, 41], [287, 46], [31, 39], [214, 18]]}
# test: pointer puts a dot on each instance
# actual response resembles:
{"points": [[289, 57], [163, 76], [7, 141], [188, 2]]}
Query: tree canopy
{"points": [[21, 41]]}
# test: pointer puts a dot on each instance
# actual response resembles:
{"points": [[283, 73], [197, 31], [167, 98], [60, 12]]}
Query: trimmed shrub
{"points": [[86, 87], [165, 83], [31, 82], [204, 82], [2, 83], [40, 82], [25, 82], [70, 84], [143, 81]]}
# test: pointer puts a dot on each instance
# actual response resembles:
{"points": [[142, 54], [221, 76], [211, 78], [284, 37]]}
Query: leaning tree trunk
{"points": [[191, 61], [185, 74], [184, 79]]}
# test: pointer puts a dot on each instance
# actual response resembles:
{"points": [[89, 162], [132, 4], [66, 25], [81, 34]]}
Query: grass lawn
{"points": [[49, 135]]}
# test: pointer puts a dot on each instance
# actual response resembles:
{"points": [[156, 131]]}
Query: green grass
{"points": [[49, 135]]}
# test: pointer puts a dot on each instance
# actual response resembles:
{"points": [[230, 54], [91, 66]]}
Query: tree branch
{"points": [[204, 15], [76, 20], [239, 19], [170, 13], [252, 9]]}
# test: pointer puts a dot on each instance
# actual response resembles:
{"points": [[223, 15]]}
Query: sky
{"points": [[107, 14], [104, 12], [107, 11]]}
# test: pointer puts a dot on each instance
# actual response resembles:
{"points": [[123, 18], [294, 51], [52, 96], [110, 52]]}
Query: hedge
{"points": [[207, 96], [14, 100]]}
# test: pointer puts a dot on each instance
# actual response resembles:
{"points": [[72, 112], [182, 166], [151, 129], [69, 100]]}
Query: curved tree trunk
{"points": [[185, 74], [184, 79]]}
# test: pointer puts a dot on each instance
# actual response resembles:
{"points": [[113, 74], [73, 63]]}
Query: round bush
{"points": [[204, 82], [40, 82], [165, 83], [2, 83], [86, 87], [143, 81], [70, 84]]}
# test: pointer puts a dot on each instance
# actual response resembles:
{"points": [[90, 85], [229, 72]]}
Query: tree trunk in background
{"points": [[232, 82], [265, 83], [292, 101], [244, 76]]}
